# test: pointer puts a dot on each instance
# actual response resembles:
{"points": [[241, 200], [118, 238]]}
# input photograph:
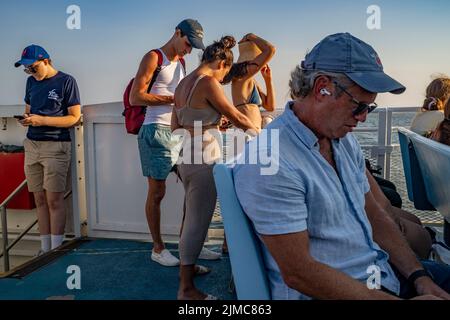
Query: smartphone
{"points": [[19, 117]]}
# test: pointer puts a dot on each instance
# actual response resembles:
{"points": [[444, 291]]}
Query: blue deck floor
{"points": [[115, 269]]}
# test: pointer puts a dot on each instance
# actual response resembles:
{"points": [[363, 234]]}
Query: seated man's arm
{"points": [[308, 276], [389, 238]]}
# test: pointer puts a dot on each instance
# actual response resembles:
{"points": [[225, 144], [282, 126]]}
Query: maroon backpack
{"points": [[135, 115]]}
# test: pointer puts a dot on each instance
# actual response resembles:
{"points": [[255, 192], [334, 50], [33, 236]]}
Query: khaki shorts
{"points": [[47, 165]]}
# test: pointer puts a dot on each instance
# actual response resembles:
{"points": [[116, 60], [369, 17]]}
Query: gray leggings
{"points": [[199, 204]]}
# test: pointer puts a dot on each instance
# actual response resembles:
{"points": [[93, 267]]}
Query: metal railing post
{"points": [[388, 150], [5, 239], [381, 156]]}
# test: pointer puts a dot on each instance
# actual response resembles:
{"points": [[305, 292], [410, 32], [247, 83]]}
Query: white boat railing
{"points": [[382, 150]]}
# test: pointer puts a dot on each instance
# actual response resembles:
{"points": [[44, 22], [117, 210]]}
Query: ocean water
{"points": [[398, 120]]}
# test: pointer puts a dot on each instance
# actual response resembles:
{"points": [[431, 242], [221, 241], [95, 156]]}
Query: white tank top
{"points": [[166, 82]]}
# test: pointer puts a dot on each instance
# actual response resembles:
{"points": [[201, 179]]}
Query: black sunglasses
{"points": [[362, 106], [31, 69]]}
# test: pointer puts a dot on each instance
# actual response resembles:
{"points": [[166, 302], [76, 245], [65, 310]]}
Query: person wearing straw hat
{"points": [[248, 96]]}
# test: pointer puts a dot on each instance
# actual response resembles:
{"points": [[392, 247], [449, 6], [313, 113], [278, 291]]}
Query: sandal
{"points": [[201, 270]]}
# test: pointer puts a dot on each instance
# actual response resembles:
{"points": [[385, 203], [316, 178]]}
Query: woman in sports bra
{"points": [[248, 97], [200, 100]]}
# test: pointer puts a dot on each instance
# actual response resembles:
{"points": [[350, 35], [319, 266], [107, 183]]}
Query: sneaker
{"points": [[165, 258], [207, 254]]}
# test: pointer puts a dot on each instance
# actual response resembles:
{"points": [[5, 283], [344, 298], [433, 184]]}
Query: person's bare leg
{"points": [[406, 215], [42, 212], [417, 237], [187, 289], [55, 201], [155, 195]]}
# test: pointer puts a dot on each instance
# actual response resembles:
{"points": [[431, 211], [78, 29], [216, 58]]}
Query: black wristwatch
{"points": [[418, 274]]}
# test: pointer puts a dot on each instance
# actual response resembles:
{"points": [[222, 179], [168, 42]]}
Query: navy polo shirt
{"points": [[51, 97]]}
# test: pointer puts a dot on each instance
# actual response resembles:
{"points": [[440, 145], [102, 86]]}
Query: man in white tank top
{"points": [[158, 152]]}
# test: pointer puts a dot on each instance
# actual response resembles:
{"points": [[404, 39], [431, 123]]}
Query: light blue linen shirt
{"points": [[307, 194]]}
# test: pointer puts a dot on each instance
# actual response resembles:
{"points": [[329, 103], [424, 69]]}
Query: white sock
{"points": [[45, 242], [57, 240]]}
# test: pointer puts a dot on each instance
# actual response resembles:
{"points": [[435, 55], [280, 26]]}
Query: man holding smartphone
{"points": [[52, 106]]}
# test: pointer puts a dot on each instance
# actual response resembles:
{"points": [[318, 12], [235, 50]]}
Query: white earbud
{"points": [[325, 92]]}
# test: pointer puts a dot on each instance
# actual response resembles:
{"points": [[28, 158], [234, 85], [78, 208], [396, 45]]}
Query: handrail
{"points": [[383, 148], [5, 223], [13, 194], [21, 235], [6, 247]]}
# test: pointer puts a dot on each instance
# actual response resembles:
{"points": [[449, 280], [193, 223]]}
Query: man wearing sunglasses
{"points": [[323, 234], [52, 106]]}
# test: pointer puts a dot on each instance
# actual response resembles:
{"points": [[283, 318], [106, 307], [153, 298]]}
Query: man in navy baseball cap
{"points": [[194, 32], [344, 53], [157, 163], [31, 54], [327, 215]]}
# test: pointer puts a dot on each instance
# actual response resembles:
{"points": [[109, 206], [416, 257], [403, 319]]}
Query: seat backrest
{"points": [[413, 174], [246, 259], [434, 161]]}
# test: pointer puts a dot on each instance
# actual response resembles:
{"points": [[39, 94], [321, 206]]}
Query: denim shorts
{"points": [[158, 150]]}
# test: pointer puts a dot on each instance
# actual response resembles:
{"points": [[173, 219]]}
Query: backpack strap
{"points": [[158, 69], [183, 63]]}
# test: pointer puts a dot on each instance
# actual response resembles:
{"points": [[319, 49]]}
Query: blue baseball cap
{"points": [[344, 53], [31, 54], [194, 32]]}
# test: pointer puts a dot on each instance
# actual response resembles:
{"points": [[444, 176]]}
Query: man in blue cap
{"points": [[52, 107], [323, 234], [158, 150]]}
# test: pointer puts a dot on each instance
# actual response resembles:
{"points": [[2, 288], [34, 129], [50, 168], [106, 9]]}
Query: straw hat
{"points": [[248, 51]]}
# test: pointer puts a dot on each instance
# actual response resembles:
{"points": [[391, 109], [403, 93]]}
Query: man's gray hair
{"points": [[302, 81]]}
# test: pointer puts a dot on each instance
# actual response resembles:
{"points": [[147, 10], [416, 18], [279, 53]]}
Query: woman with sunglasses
{"points": [[52, 106]]}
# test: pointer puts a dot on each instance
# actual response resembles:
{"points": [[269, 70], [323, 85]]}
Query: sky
{"points": [[103, 55]]}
